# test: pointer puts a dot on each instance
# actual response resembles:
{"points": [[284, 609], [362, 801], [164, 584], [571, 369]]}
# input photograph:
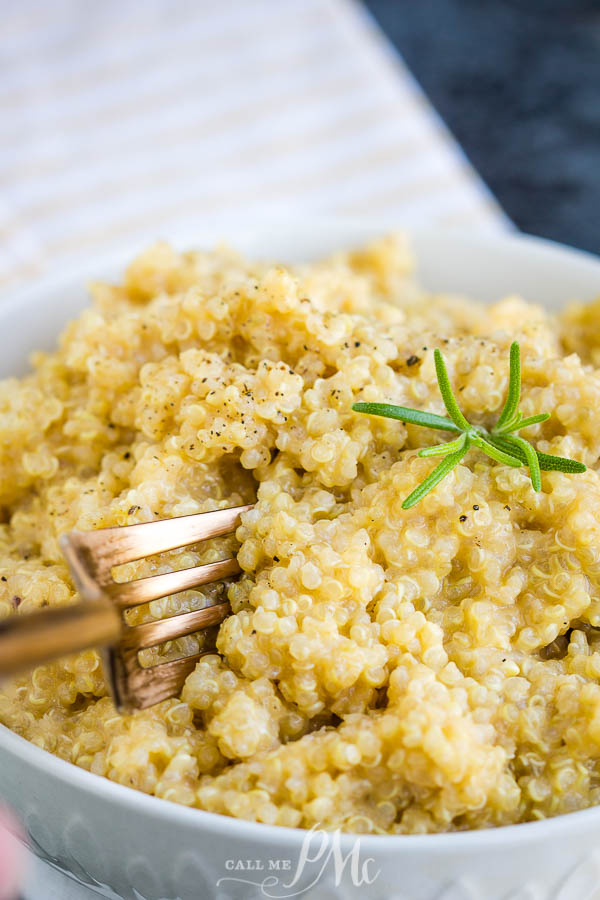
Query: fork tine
{"points": [[140, 637], [145, 687], [115, 546], [132, 593]]}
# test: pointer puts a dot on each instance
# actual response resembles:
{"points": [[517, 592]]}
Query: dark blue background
{"points": [[518, 83]]}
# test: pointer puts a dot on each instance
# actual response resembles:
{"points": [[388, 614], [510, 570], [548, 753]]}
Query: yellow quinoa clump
{"points": [[383, 670]]}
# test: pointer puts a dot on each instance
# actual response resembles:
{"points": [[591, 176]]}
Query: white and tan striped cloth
{"points": [[123, 120]]}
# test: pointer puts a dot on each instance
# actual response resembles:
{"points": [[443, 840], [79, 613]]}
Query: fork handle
{"points": [[30, 640]]}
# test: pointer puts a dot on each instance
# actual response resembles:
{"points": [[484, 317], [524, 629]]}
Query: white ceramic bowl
{"points": [[128, 845]]}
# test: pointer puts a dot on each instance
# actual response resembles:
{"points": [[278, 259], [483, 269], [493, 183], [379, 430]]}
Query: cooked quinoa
{"points": [[383, 670]]}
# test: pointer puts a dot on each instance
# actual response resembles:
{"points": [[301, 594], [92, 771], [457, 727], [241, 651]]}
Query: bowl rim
{"points": [[165, 811], [350, 228]]}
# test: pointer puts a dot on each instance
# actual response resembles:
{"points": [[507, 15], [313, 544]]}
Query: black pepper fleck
{"points": [[413, 360], [462, 518], [475, 506]]}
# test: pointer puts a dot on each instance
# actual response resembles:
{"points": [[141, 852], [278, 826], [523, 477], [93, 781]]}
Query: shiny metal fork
{"points": [[99, 621]]}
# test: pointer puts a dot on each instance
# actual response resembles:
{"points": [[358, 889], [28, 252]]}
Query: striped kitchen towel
{"points": [[122, 121]]}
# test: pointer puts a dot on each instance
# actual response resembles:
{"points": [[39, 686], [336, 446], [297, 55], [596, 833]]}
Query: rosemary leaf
{"points": [[434, 478], [531, 457], [503, 456], [523, 423], [560, 464], [447, 393], [405, 414], [548, 463], [514, 387], [443, 449]]}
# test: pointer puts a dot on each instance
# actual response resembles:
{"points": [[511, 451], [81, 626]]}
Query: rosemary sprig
{"points": [[500, 442]]}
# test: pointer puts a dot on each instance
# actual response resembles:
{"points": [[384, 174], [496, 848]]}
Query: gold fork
{"points": [[98, 621]]}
